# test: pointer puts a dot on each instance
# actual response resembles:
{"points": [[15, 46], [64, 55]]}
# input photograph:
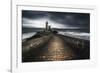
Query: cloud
{"points": [[56, 19], [40, 23]]}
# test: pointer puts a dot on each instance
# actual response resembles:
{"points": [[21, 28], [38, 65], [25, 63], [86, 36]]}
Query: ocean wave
{"points": [[80, 35]]}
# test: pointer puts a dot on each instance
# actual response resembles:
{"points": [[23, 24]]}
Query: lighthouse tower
{"points": [[46, 25]]}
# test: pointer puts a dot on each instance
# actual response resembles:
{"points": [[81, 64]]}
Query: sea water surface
{"points": [[75, 34]]}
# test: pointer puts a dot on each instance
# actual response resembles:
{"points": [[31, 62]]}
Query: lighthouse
{"points": [[46, 25]]}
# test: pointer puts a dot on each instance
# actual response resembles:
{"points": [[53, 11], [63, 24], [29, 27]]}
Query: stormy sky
{"points": [[37, 19]]}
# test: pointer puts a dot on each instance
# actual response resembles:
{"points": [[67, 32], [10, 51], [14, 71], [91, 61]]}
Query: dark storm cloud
{"points": [[74, 19], [33, 14], [81, 20]]}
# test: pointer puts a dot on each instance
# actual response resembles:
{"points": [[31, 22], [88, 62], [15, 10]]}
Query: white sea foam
{"points": [[27, 35], [80, 35]]}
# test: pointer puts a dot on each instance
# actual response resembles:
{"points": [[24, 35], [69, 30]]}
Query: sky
{"points": [[37, 19]]}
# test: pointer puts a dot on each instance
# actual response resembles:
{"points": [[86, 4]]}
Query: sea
{"points": [[79, 33]]}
